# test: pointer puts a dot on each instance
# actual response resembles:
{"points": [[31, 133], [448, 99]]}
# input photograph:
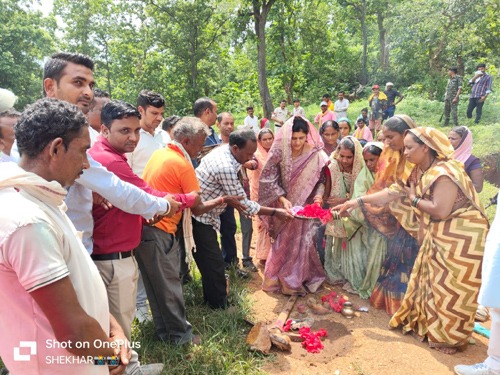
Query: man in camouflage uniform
{"points": [[452, 96]]}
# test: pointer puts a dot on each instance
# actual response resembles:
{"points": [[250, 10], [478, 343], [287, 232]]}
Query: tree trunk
{"points": [[260, 17], [364, 58], [382, 32]]}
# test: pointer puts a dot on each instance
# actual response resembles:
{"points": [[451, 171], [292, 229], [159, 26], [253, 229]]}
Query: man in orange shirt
{"points": [[158, 254]]}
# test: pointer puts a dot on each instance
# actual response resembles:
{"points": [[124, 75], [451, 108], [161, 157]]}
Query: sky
{"points": [[44, 5]]}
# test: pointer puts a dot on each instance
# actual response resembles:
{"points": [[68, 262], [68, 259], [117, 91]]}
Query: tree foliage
{"points": [[251, 52]]}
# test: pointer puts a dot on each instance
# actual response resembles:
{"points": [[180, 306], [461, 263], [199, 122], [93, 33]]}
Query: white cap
{"points": [[7, 99], [389, 84], [323, 103]]}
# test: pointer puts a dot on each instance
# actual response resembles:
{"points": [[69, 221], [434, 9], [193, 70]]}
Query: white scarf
{"points": [[187, 225]]}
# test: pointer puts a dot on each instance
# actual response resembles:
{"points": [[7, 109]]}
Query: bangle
{"points": [[360, 202], [168, 209], [335, 215], [415, 201], [274, 211]]}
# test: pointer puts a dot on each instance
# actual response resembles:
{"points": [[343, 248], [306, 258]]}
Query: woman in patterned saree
{"points": [[293, 170], [437, 201], [402, 248]]}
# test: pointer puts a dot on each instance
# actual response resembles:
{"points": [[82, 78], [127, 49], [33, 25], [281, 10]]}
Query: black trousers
{"points": [[227, 233], [209, 260], [478, 104]]}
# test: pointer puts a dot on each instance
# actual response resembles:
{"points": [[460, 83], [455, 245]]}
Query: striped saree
{"points": [[441, 298]]}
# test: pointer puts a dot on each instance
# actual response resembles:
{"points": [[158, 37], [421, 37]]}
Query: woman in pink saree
{"points": [[293, 176], [265, 139]]}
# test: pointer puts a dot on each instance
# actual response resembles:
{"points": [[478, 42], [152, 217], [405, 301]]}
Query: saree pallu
{"points": [[441, 299], [263, 244]]}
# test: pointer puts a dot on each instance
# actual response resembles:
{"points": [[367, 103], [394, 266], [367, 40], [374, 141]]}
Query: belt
{"points": [[113, 256]]}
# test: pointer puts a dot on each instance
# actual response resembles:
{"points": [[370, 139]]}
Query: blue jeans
{"points": [[389, 112]]}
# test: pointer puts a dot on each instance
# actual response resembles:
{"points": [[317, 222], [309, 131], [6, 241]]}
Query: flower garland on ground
{"points": [[335, 301], [312, 340]]}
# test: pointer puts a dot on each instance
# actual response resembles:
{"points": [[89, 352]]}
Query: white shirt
{"points": [[340, 108], [252, 123], [39, 246], [147, 145], [121, 194], [299, 111]]}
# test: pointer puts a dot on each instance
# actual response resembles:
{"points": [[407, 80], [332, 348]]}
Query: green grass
{"points": [[223, 333]]}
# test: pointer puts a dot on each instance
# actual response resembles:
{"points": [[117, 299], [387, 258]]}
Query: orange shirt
{"points": [[168, 170]]}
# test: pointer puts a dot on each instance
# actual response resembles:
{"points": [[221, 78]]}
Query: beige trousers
{"points": [[120, 277]]}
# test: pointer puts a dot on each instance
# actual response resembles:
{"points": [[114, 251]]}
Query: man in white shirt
{"points": [[297, 109], [341, 105], [280, 115], [151, 106], [251, 121], [53, 287], [70, 77]]}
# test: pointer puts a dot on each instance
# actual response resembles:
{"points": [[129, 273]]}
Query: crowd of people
{"points": [[108, 204]]}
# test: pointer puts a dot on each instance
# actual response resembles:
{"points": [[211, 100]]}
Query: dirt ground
{"points": [[361, 345]]}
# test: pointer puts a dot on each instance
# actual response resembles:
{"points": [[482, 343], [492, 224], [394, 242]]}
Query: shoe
{"points": [[242, 274], [142, 314], [248, 265], [151, 369], [187, 278], [482, 314], [477, 369]]}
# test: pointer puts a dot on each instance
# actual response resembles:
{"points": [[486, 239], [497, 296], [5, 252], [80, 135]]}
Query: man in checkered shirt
{"points": [[218, 175]]}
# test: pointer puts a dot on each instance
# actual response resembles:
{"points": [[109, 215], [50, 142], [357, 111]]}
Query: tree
{"points": [[26, 37]]}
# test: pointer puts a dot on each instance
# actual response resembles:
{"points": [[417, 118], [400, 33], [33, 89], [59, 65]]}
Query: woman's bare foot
{"points": [[446, 350]]}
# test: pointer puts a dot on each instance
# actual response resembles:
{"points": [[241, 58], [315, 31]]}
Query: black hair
{"points": [[241, 137], [296, 100], [481, 65], [54, 67], [364, 109], [348, 144], [117, 110], [326, 96], [249, 107], [372, 149], [98, 93], [329, 124], [362, 120], [46, 120], [363, 142], [264, 131], [147, 98], [201, 104], [341, 92], [299, 124], [396, 124], [169, 122], [283, 100], [460, 130], [222, 114], [453, 69], [345, 119]]}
